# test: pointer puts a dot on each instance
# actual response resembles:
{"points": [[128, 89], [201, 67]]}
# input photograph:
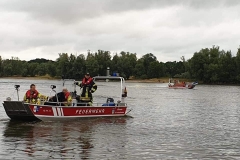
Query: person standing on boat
{"points": [[88, 87], [33, 96], [67, 97]]}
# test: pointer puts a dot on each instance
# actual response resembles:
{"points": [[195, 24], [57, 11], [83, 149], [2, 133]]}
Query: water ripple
{"points": [[202, 123]]}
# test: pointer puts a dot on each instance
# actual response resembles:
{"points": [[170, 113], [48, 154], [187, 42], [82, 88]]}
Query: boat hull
{"points": [[17, 110], [62, 113], [181, 87], [178, 87]]}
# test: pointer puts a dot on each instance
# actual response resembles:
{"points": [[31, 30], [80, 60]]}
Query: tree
{"points": [[51, 69], [103, 59], [210, 65], [153, 70], [237, 62], [79, 66], [124, 64], [62, 64], [32, 68], [24, 70], [140, 71], [41, 69], [39, 60], [228, 71], [198, 63], [92, 65], [1, 69], [147, 59]]}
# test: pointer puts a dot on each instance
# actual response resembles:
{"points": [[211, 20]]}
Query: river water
{"points": [[202, 123]]}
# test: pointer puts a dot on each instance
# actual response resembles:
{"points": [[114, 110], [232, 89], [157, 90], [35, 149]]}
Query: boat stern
{"points": [[17, 110]]}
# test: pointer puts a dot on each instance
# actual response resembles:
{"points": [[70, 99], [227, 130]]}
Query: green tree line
{"points": [[209, 65]]}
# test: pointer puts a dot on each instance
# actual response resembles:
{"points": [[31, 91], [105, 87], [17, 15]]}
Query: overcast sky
{"points": [[167, 28]]}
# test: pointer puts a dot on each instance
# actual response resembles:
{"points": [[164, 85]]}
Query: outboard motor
{"points": [[195, 83], [191, 86], [110, 100], [124, 92]]}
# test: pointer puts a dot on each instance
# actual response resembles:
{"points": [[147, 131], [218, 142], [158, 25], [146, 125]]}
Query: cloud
{"points": [[167, 28]]}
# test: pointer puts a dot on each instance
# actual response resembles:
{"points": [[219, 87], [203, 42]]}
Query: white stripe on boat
{"points": [[59, 111], [54, 111], [62, 111]]}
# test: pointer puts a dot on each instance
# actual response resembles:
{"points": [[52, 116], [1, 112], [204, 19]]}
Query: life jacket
{"points": [[67, 94], [86, 81], [32, 94]]}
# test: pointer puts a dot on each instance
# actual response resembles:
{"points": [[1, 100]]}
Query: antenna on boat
{"points": [[63, 80], [17, 88], [53, 89], [75, 90]]}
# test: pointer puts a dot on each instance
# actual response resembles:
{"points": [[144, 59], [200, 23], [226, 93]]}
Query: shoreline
{"points": [[31, 78], [146, 81], [154, 80]]}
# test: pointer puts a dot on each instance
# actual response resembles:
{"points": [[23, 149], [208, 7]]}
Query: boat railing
{"points": [[122, 90], [65, 80], [80, 104], [122, 83]]}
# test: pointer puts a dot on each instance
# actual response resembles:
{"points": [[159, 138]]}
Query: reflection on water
{"points": [[51, 140]]}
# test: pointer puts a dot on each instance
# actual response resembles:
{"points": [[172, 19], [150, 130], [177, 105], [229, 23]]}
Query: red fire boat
{"points": [[181, 85], [45, 112]]}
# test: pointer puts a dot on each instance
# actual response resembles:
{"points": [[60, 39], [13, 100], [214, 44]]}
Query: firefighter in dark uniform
{"points": [[88, 87]]}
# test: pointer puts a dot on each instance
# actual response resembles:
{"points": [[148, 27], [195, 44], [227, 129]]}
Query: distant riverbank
{"points": [[154, 80], [31, 78], [157, 80]]}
